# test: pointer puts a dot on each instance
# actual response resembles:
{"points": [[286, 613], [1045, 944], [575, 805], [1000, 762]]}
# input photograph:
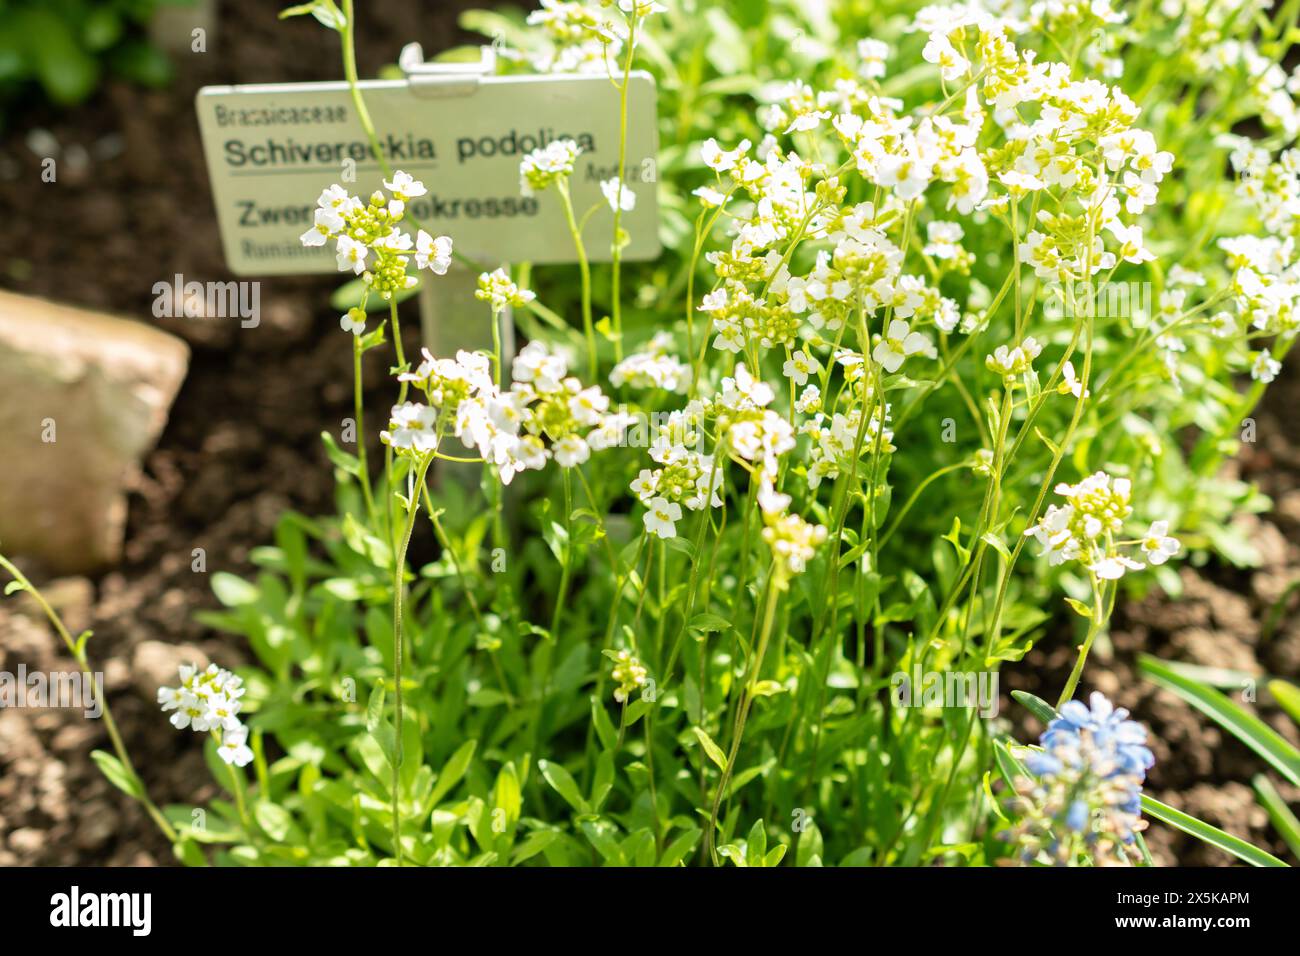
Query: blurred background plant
{"points": [[60, 50]]}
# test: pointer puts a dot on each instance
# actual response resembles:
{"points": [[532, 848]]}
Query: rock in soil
{"points": [[83, 397]]}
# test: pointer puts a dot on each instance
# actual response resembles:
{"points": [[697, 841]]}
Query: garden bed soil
{"points": [[131, 208]]}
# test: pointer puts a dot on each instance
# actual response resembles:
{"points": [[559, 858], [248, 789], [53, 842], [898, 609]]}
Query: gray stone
{"points": [[83, 397]]}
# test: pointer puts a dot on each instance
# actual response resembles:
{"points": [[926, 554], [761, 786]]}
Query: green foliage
{"points": [[66, 47]]}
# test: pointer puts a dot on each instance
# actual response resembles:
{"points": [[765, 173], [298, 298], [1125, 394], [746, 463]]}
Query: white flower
{"points": [[351, 255], [570, 451], [644, 485], [404, 186], [907, 174], [234, 749], [204, 701], [328, 222], [223, 711], [898, 343], [1157, 546], [806, 122], [944, 239], [1018, 183], [769, 499], [191, 712], [536, 365], [1070, 383], [661, 517], [719, 159], [498, 290], [169, 698], [1113, 568], [431, 253], [1263, 367], [618, 195], [350, 322], [873, 54], [799, 366], [810, 401], [709, 197], [412, 426], [335, 197], [1010, 362], [939, 51]]}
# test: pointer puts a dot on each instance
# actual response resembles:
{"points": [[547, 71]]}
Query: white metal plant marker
{"points": [[272, 148], [459, 128]]}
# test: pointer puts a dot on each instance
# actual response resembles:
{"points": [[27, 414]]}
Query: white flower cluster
{"points": [[1087, 528], [500, 292], [582, 38], [208, 701], [653, 367], [545, 166], [368, 241], [841, 437], [684, 476], [629, 674], [1265, 268], [545, 414]]}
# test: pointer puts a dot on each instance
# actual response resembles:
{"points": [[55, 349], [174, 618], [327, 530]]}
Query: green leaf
{"points": [[1246, 727], [13, 587], [323, 10], [810, 844], [117, 774], [707, 622], [233, 591], [604, 726], [1211, 835], [756, 844], [67, 72], [375, 708], [996, 543], [1079, 608], [273, 819], [453, 770], [141, 63], [1008, 765], [562, 782], [680, 848], [342, 460], [1284, 821], [1035, 705], [713, 750], [1287, 696]]}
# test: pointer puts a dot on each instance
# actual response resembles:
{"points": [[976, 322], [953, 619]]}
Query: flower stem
{"points": [[399, 586]]}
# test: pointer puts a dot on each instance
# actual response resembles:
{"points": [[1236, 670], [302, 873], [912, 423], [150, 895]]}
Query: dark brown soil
{"points": [[131, 208]]}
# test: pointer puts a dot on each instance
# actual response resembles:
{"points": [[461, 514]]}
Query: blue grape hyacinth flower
{"points": [[1085, 801]]}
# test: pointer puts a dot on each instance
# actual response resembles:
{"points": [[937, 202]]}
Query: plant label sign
{"points": [[271, 149]]}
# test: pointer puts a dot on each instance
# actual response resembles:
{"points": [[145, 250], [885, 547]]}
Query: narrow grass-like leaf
{"points": [[1287, 696], [1246, 727], [1211, 835], [1035, 705], [1284, 821]]}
